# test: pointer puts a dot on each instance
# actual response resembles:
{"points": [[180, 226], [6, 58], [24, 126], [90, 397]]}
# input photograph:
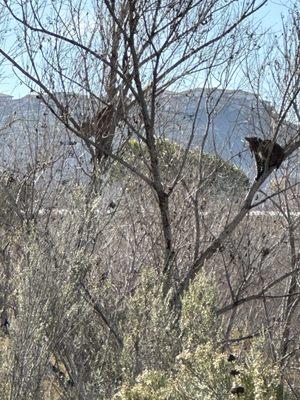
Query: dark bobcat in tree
{"points": [[267, 154]]}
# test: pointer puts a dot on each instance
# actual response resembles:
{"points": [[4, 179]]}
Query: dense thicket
{"points": [[132, 266]]}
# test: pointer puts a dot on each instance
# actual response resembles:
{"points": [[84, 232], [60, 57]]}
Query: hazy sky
{"points": [[271, 13], [270, 16]]}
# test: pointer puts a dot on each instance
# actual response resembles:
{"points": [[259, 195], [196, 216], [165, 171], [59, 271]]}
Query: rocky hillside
{"points": [[219, 119]]}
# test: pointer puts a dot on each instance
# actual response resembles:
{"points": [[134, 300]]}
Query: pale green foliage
{"points": [[205, 374], [5, 367], [48, 265], [198, 372], [150, 340], [259, 377], [158, 356], [202, 374], [150, 385], [198, 319], [201, 370], [220, 175]]}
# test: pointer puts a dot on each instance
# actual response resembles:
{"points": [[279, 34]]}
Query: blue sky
{"points": [[269, 15]]}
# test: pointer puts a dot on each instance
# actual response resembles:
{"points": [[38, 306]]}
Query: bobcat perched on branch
{"points": [[102, 126], [267, 154]]}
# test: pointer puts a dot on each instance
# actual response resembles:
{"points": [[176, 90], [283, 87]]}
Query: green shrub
{"points": [[149, 339], [201, 369], [150, 385], [198, 321], [259, 376], [218, 174]]}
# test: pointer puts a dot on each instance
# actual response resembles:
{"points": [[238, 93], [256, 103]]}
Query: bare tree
{"points": [[105, 71]]}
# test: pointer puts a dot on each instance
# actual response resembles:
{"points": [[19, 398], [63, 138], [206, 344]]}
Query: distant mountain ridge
{"points": [[218, 119], [221, 118]]}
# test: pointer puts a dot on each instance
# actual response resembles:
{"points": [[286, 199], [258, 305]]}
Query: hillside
{"points": [[227, 117]]}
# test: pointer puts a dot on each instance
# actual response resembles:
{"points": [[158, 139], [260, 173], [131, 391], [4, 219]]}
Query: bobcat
{"points": [[267, 154]]}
